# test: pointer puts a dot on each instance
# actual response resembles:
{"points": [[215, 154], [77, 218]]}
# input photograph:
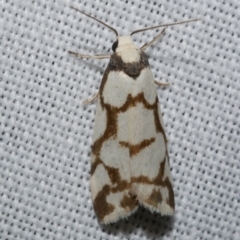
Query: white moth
{"points": [[129, 165]]}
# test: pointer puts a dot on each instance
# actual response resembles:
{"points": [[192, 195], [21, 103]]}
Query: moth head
{"points": [[123, 43]]}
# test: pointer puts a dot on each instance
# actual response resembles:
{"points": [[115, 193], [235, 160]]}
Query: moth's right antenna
{"points": [[111, 28]]}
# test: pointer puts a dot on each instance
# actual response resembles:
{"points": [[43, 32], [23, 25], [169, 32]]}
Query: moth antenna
{"points": [[164, 25], [106, 25]]}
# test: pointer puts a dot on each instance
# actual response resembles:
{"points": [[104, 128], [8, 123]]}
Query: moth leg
{"points": [[91, 99], [146, 45], [162, 84], [89, 56]]}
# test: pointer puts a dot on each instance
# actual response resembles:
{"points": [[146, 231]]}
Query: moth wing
{"points": [[150, 172], [110, 172], [129, 155]]}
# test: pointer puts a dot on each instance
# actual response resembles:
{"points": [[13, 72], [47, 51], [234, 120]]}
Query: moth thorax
{"points": [[127, 50]]}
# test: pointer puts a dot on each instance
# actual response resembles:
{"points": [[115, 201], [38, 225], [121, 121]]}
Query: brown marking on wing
{"points": [[103, 82], [155, 198], [159, 178], [95, 164], [101, 207], [159, 127], [132, 102], [119, 184], [129, 202], [135, 149], [111, 129], [170, 199]]}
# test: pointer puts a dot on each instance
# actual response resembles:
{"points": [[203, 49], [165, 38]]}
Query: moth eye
{"points": [[114, 46]]}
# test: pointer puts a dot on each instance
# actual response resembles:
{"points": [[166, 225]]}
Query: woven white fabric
{"points": [[46, 131]]}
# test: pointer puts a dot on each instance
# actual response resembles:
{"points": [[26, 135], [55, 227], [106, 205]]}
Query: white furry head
{"points": [[126, 49]]}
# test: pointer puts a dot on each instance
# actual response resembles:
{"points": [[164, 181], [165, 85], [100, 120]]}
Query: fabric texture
{"points": [[45, 140]]}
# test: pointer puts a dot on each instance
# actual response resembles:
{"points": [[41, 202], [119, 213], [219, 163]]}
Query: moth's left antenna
{"points": [[106, 25]]}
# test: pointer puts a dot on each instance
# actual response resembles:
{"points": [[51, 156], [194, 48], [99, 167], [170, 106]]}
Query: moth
{"points": [[129, 162]]}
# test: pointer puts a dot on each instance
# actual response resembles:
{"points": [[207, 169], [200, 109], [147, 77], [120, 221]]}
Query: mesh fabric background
{"points": [[46, 131]]}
